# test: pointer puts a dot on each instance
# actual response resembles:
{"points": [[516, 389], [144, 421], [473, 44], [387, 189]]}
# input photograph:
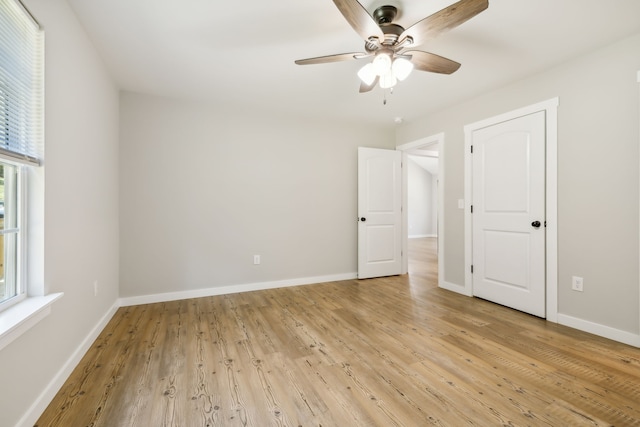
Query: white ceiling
{"points": [[241, 53]]}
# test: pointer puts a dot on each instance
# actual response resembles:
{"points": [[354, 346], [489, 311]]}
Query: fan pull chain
{"points": [[384, 99]]}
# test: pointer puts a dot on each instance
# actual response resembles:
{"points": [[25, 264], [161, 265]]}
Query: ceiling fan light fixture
{"points": [[367, 75], [388, 43], [381, 64], [388, 81], [401, 68]]}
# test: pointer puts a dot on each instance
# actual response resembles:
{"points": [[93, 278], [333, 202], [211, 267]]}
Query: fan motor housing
{"points": [[385, 14]]}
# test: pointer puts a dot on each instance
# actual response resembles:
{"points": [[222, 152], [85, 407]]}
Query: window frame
{"points": [[21, 237]]}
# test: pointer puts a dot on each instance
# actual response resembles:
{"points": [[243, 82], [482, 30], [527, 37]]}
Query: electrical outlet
{"points": [[576, 283], [256, 259], [95, 288]]}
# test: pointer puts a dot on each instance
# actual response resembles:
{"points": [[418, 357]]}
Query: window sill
{"points": [[18, 319]]}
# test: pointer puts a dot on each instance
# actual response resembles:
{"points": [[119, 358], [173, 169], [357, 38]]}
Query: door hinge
{"points": [[471, 268], [472, 149], [471, 208]]}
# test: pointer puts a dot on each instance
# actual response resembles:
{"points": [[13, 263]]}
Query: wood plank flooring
{"points": [[395, 351]]}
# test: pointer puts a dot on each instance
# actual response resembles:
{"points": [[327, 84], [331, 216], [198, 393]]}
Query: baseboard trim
{"points": [[600, 330], [418, 236], [233, 289], [37, 408]]}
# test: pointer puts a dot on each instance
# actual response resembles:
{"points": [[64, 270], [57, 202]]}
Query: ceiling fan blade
{"points": [[332, 58], [444, 20], [368, 88], [425, 61], [359, 19]]}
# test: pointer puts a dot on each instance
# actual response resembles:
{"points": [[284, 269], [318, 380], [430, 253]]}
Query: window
{"points": [[21, 129]]}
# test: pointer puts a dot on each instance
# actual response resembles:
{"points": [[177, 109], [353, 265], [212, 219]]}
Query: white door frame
{"points": [[551, 113], [405, 148]]}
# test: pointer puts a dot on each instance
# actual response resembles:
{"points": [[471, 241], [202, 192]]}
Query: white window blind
{"points": [[21, 84]]}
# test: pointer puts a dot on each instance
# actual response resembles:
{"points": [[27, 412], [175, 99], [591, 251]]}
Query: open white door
{"points": [[379, 212], [509, 213]]}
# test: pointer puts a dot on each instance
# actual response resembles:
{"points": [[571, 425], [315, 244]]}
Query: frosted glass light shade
{"points": [[381, 64], [388, 80], [401, 68], [367, 75]]}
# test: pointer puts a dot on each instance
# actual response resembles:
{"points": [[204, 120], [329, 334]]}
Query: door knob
{"points": [[535, 224], [363, 219]]}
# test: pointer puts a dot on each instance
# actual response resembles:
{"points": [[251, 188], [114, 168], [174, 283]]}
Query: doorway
{"points": [[422, 197], [423, 224], [422, 213]]}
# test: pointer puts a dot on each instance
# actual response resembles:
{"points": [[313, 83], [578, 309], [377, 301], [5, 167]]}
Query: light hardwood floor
{"points": [[395, 351]]}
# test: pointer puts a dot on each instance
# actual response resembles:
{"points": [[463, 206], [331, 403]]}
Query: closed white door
{"points": [[508, 213], [379, 212]]}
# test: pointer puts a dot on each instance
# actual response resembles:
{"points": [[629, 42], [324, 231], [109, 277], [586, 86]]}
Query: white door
{"points": [[508, 213], [379, 212]]}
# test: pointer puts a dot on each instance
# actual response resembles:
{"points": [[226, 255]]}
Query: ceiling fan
{"points": [[392, 47]]}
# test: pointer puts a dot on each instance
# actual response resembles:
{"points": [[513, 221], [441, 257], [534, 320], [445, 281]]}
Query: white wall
{"points": [[597, 178], [205, 187], [420, 201], [81, 213]]}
